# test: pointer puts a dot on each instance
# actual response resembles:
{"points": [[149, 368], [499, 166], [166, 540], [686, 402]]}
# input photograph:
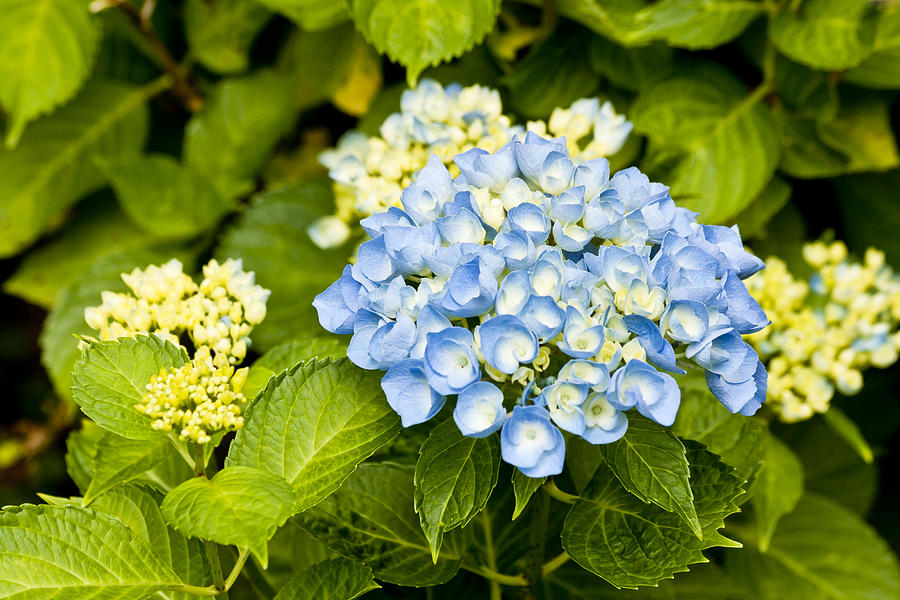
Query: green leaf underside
{"points": [[714, 145], [239, 506], [454, 478], [629, 544], [313, 424], [821, 551], [524, 488], [335, 579], [81, 448], [119, 460], [422, 33], [288, 354], [111, 377], [47, 50], [371, 519], [777, 489], [651, 463], [152, 190], [51, 168], [271, 239], [71, 552], [220, 33], [829, 35], [881, 69]]}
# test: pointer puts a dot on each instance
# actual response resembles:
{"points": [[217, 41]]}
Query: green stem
{"points": [[236, 569], [255, 578], [496, 593], [540, 515], [511, 580], [554, 492], [184, 453], [194, 590], [554, 563], [215, 567]]}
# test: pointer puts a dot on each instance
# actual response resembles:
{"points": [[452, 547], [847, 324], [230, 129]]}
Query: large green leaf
{"points": [[752, 220], [110, 380], [59, 347], [881, 69], [777, 488], [81, 448], [629, 544], [524, 488], [335, 579], [715, 146], [454, 478], [313, 424], [47, 48], [239, 506], [554, 74], [271, 239], [803, 153], [849, 431], [310, 15], [229, 140], [165, 197], [52, 168], [862, 132], [652, 464], [138, 507], [830, 35], [630, 68], [820, 551], [422, 33], [220, 33], [737, 440], [617, 20], [97, 229], [371, 519], [71, 552], [698, 24], [288, 354]]}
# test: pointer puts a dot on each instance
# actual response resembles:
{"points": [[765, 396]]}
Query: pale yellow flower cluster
{"points": [[827, 330], [370, 173], [195, 400], [218, 314]]}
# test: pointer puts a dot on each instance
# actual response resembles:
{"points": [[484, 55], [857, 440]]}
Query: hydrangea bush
{"points": [[569, 290]]}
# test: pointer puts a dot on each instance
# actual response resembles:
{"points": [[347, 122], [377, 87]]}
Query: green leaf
{"points": [[803, 153], [862, 132], [752, 220], [715, 146], [313, 424], [229, 140], [293, 550], [651, 463], [630, 68], [820, 551], [51, 168], [288, 354], [807, 93], [335, 579], [81, 448], [239, 506], [703, 582], [371, 519], [524, 488], [219, 34], [422, 33], [698, 24], [628, 543], [582, 460], [271, 239], [310, 15], [96, 230], [67, 551], [829, 35], [881, 69], [164, 197], [737, 440], [47, 49], [554, 74], [119, 460], [338, 64], [847, 429], [110, 378], [138, 507], [454, 478], [616, 20], [59, 347], [777, 489]]}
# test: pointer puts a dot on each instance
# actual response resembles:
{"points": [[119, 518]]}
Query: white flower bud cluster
{"points": [[195, 400], [218, 314], [828, 330], [370, 173]]}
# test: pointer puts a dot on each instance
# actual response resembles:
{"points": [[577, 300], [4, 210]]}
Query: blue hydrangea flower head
{"points": [[541, 295]]}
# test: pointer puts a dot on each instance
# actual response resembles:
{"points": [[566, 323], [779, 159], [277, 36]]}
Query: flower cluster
{"points": [[196, 399], [203, 396], [218, 314], [371, 172], [826, 330], [532, 281]]}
